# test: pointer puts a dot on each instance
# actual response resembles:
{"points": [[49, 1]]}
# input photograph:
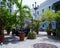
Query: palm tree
{"points": [[48, 16], [7, 19], [3, 17], [24, 11]]}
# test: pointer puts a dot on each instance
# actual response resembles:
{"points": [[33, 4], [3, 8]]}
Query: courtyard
{"points": [[14, 42], [23, 26]]}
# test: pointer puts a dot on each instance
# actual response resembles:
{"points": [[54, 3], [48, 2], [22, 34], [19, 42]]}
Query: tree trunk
{"points": [[50, 25]]}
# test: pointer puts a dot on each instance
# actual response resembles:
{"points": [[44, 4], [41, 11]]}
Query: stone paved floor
{"points": [[13, 41]]}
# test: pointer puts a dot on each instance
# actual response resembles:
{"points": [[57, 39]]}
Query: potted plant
{"points": [[31, 35], [54, 32], [22, 36], [37, 28], [1, 35], [49, 31], [24, 12], [8, 29], [48, 16]]}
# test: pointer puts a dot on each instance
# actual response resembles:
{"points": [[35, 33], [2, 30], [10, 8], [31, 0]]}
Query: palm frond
{"points": [[26, 7]]}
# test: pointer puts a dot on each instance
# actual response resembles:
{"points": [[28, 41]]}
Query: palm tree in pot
{"points": [[48, 16], [24, 12]]}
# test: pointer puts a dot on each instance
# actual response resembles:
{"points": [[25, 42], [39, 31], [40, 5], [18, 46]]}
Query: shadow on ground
{"points": [[44, 37], [54, 39], [41, 35], [11, 39]]}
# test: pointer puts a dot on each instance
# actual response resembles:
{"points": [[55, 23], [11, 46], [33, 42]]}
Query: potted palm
{"points": [[48, 16], [24, 11], [1, 35], [49, 31], [3, 15], [21, 34]]}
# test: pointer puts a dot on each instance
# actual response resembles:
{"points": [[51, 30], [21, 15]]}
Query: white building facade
{"points": [[47, 4]]}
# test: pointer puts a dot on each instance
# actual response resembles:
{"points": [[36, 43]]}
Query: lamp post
{"points": [[35, 7]]}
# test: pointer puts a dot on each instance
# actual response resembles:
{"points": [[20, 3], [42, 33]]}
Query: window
{"points": [[38, 12], [7, 4], [34, 14], [49, 7], [7, 9], [43, 25], [0, 2], [10, 10], [42, 10]]}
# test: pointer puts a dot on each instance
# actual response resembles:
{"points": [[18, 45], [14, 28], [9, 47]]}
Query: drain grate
{"points": [[44, 45]]}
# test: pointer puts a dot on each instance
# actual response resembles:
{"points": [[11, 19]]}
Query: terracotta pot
{"points": [[1, 38], [49, 32], [8, 32], [37, 32], [22, 36]]}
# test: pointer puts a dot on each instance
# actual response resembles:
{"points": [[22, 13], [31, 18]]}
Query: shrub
{"points": [[54, 32], [31, 35]]}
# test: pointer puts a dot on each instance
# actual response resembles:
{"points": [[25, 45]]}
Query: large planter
{"points": [[49, 32], [1, 38], [22, 36]]}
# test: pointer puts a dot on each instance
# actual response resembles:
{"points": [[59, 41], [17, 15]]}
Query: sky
{"points": [[30, 2]]}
